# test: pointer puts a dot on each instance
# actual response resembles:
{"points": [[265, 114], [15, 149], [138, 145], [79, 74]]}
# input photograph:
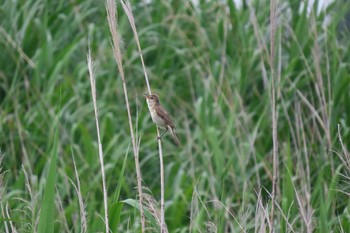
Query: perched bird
{"points": [[160, 117]]}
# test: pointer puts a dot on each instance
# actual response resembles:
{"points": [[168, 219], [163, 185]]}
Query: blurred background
{"points": [[209, 63]]}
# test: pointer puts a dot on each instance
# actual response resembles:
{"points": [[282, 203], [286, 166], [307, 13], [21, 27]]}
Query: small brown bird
{"points": [[161, 117]]}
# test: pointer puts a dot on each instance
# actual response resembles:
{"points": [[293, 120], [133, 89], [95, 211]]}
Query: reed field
{"points": [[259, 94]]}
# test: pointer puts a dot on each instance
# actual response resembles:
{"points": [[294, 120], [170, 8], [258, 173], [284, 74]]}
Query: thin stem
{"points": [[113, 26], [273, 19], [162, 205], [128, 11], [100, 151]]}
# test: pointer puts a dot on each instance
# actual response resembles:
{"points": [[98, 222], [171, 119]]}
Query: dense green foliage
{"points": [[209, 63]]}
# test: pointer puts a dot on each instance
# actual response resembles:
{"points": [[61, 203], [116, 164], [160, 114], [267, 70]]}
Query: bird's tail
{"points": [[173, 134]]}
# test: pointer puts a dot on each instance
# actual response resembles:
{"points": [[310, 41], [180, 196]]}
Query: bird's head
{"points": [[152, 99]]}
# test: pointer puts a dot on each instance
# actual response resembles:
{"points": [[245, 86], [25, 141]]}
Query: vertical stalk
{"points": [[273, 8], [112, 22], [128, 11], [100, 151], [162, 205]]}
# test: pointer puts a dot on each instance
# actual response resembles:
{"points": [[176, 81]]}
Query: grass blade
{"points": [[46, 219]]}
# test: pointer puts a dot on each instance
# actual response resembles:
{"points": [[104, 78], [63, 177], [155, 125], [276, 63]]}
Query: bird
{"points": [[161, 117]]}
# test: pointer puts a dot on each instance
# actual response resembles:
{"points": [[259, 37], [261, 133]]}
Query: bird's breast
{"points": [[157, 119]]}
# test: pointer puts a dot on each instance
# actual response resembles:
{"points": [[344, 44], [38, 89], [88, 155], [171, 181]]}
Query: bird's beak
{"points": [[147, 96]]}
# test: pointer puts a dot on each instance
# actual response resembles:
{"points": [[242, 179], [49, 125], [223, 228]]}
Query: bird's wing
{"points": [[165, 116]]}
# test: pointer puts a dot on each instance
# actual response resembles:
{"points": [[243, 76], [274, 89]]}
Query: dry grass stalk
{"points": [[273, 19], [100, 151], [151, 204], [319, 85], [4, 217], [83, 218], [128, 11], [261, 216], [33, 198], [112, 22], [346, 157], [162, 205], [270, 58], [227, 211], [18, 49], [13, 228], [261, 43]]}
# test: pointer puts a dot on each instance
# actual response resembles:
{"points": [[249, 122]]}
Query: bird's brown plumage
{"points": [[160, 116], [164, 115]]}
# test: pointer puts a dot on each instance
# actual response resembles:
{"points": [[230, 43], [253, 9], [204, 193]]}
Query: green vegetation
{"points": [[209, 64]]}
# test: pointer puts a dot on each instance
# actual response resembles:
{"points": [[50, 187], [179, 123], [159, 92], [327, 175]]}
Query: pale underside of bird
{"points": [[161, 117]]}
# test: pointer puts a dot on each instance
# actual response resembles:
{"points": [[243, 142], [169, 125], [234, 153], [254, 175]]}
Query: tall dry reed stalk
{"points": [[100, 151], [270, 59], [273, 27], [128, 11], [113, 27], [83, 217]]}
